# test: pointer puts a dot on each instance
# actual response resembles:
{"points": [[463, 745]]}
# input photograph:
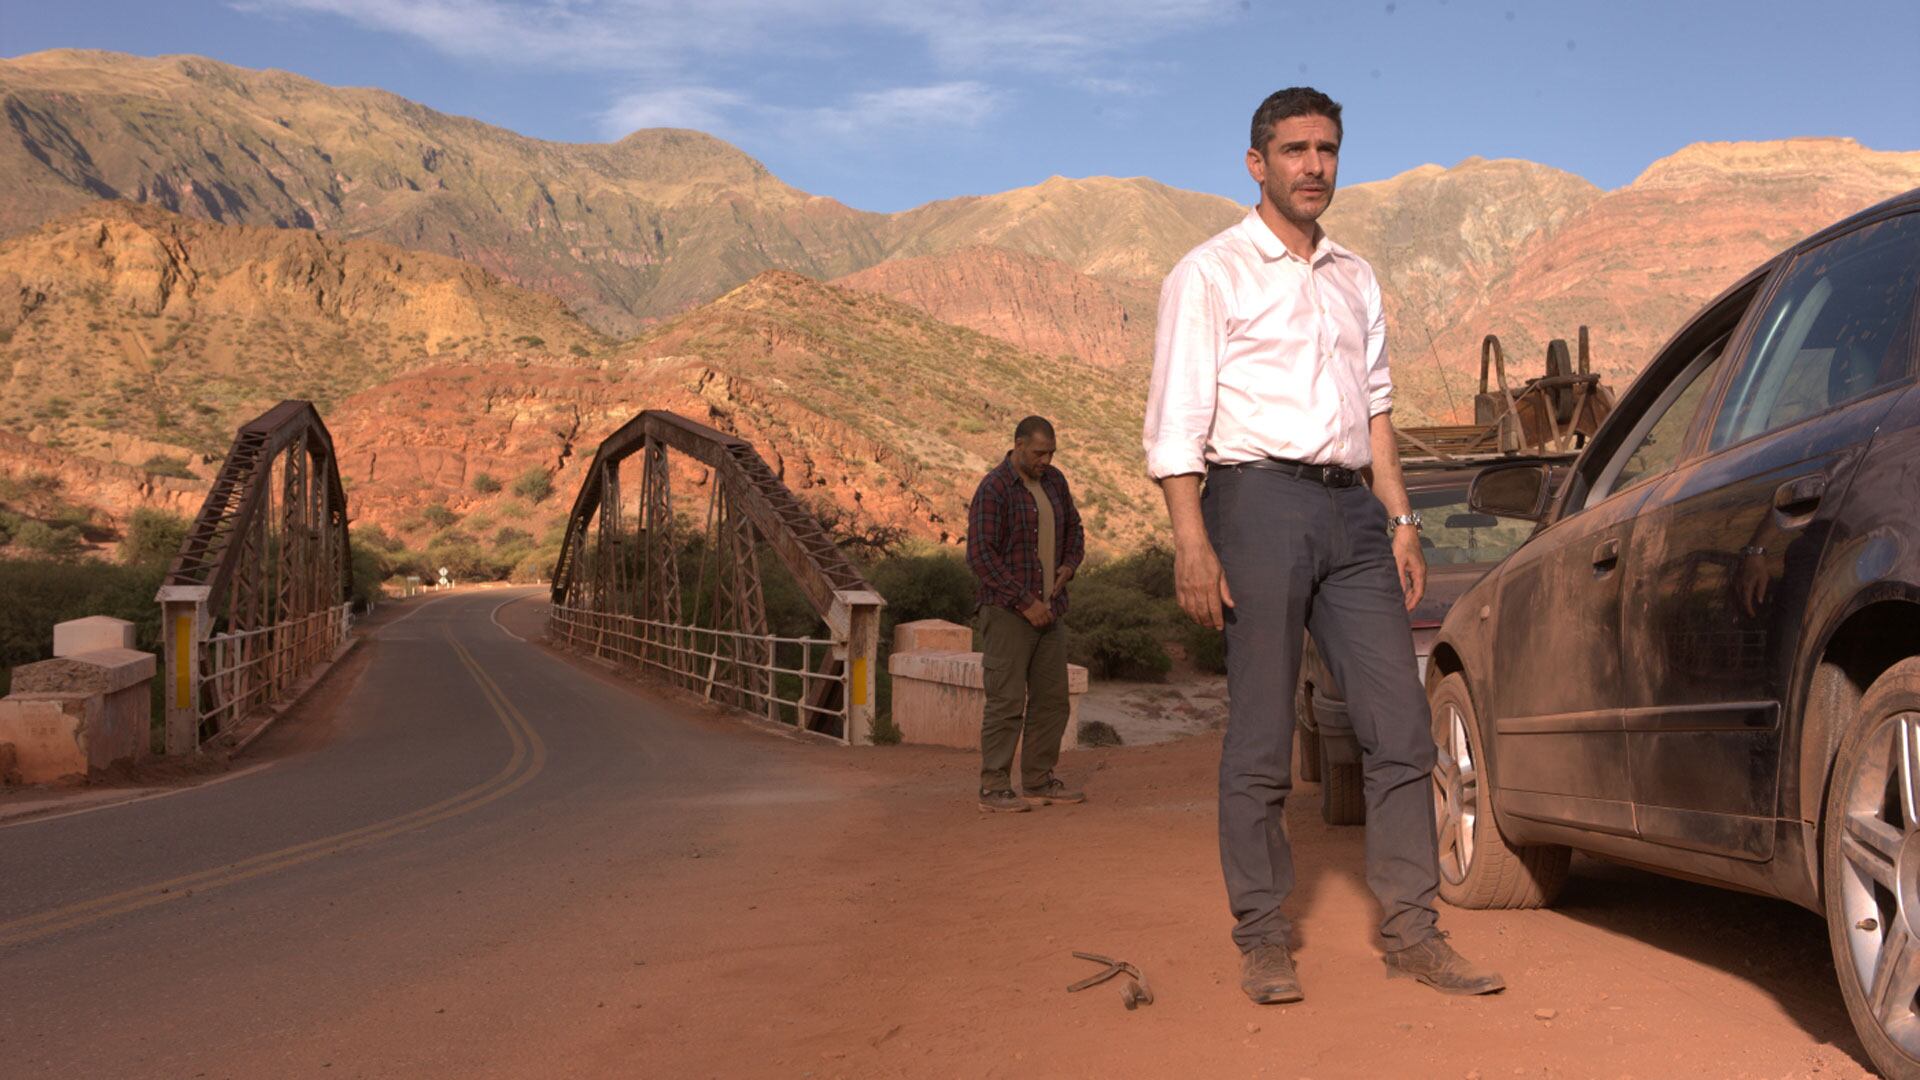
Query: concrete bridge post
{"points": [[860, 629], [183, 628]]}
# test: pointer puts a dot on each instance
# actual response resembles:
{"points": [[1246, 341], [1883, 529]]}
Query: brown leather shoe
{"points": [[1434, 962], [1054, 790], [1267, 975]]}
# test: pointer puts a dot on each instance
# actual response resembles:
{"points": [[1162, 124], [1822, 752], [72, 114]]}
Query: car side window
{"points": [[1655, 444], [1838, 328]]}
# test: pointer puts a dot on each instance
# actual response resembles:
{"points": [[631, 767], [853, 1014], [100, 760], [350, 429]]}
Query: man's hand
{"points": [[1411, 562], [1060, 579], [1201, 584], [1039, 614]]}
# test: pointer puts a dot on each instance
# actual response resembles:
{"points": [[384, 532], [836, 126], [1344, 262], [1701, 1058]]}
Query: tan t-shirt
{"points": [[1049, 558]]}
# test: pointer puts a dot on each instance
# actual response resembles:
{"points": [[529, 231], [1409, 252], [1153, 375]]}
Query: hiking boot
{"points": [[1267, 975], [1434, 962], [1003, 801], [1053, 790]]}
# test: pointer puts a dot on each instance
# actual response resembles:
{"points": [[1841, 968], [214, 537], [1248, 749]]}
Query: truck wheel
{"points": [[1306, 759], [1342, 800], [1478, 868], [1870, 863]]}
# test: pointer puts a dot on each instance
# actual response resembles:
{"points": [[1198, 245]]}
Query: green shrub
{"points": [[39, 538], [1116, 631], [439, 516], [377, 538], [934, 586], [165, 465], [41, 593], [533, 485], [153, 537], [370, 567], [1148, 571], [485, 483], [1207, 648]]}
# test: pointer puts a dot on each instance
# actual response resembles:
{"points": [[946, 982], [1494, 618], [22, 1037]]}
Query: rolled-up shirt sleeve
{"points": [[1186, 358], [1379, 382]]}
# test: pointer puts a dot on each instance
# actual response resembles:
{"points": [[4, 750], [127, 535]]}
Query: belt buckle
{"points": [[1338, 476]]}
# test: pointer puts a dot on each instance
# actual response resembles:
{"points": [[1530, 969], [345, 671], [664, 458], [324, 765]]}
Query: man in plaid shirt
{"points": [[1024, 543]]}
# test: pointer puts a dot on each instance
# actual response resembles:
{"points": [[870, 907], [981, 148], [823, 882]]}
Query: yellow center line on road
{"points": [[528, 759]]}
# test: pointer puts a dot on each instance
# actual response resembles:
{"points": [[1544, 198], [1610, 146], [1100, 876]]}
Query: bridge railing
{"points": [[704, 659], [618, 585], [258, 596], [247, 670]]}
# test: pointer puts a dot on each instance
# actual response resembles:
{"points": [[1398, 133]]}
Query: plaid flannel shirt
{"points": [[1003, 538]]}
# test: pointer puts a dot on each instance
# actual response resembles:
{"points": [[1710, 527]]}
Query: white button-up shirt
{"points": [[1260, 354]]}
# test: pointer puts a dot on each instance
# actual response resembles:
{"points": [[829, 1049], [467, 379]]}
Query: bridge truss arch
{"points": [[686, 605], [259, 595]]}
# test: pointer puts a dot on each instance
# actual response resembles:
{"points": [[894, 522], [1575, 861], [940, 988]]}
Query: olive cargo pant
{"points": [[1025, 674], [1301, 556]]}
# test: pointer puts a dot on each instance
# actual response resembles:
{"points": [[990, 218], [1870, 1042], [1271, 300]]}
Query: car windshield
{"points": [[1452, 535]]}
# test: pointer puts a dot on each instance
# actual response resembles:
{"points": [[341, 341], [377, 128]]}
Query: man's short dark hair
{"points": [[1286, 104], [1031, 426]]}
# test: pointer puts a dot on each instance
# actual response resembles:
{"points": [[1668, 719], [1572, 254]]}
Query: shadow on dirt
{"points": [[1776, 946]]}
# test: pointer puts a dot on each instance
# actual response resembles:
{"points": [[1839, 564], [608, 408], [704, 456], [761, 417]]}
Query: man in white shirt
{"points": [[1270, 395]]}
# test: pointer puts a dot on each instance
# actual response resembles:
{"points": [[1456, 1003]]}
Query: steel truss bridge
{"points": [[259, 595], [688, 605]]}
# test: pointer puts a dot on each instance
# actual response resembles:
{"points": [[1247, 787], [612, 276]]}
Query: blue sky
{"points": [[885, 104]]}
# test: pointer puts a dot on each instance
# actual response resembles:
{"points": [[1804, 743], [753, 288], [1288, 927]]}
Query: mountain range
{"points": [[183, 241]]}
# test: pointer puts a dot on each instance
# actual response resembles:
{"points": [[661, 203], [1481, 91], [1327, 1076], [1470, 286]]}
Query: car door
{"points": [[1562, 751], [1725, 551]]}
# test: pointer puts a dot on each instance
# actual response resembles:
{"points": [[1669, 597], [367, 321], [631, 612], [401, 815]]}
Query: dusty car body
{"points": [[1706, 660], [1460, 546]]}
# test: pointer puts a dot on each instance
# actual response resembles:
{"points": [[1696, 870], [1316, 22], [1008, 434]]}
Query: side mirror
{"points": [[1518, 490]]}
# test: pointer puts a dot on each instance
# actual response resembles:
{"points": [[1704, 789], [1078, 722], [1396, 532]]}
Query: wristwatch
{"points": [[1398, 520]]}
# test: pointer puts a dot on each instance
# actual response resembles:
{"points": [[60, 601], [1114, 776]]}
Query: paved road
{"points": [[472, 788], [476, 859]]}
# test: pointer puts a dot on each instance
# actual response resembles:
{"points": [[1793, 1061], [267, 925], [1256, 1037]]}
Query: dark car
{"points": [[1706, 660], [1460, 546]]}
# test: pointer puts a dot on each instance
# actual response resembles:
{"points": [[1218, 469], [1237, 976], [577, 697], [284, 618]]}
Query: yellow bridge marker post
{"points": [[861, 611], [183, 626]]}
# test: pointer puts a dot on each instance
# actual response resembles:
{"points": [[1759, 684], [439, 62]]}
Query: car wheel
{"points": [[1478, 868], [1306, 760], [1342, 800], [1870, 860]]}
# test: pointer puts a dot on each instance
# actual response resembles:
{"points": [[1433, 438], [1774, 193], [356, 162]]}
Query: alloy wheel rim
{"points": [[1456, 795], [1879, 888]]}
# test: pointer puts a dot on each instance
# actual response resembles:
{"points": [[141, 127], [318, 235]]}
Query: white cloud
{"points": [[943, 105], [939, 106], [673, 56], [646, 35], [701, 107]]}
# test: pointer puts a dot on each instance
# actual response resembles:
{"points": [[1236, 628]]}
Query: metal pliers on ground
{"points": [[1134, 994]]}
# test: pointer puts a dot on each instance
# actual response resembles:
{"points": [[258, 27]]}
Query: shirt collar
{"points": [[1015, 475], [1271, 248]]}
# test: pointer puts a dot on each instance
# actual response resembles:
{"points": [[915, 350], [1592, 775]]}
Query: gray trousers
{"points": [[1298, 557], [1025, 675]]}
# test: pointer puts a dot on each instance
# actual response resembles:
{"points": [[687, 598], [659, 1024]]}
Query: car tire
{"points": [[1868, 844], [1478, 867], [1342, 799], [1306, 760]]}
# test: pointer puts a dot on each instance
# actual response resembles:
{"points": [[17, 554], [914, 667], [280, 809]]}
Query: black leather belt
{"points": [[1334, 476]]}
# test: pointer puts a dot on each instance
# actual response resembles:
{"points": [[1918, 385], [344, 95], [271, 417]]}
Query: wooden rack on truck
{"points": [[1554, 413]]}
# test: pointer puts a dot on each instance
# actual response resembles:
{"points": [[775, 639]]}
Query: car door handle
{"points": [[1799, 497], [1606, 554]]}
